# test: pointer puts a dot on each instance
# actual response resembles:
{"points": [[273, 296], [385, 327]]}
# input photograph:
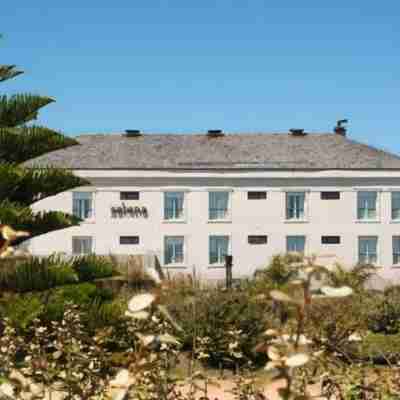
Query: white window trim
{"points": [[219, 265], [85, 237], [175, 265], [224, 220], [92, 219], [181, 220], [378, 249], [303, 220], [378, 207]]}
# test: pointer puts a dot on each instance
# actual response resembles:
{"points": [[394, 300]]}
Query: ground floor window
{"points": [[367, 249], [295, 244], [82, 245], [173, 250], [219, 248]]}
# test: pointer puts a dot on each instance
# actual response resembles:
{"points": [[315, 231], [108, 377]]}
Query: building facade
{"points": [[192, 199]]}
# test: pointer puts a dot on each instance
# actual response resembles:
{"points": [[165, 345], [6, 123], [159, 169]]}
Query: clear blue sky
{"points": [[186, 66]]}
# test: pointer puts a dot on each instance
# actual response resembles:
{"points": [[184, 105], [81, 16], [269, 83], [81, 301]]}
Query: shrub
{"points": [[223, 328], [36, 274], [91, 267], [380, 348]]}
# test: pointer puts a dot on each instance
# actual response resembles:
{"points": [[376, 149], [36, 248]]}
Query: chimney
{"points": [[297, 132], [339, 129], [214, 133], [133, 133]]}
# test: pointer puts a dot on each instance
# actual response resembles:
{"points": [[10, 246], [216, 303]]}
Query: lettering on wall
{"points": [[130, 211]]}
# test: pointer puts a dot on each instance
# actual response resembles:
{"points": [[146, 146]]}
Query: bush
{"points": [[383, 311], [380, 348], [91, 267], [37, 274], [222, 327]]}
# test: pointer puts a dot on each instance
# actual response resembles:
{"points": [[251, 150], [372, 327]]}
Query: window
{"points": [[219, 248], [330, 195], [330, 239], [396, 250], [82, 245], [218, 205], [173, 205], [173, 250], [295, 205], [129, 240], [256, 195], [396, 206], [257, 239], [366, 205], [295, 244], [82, 204], [367, 249], [129, 196]]}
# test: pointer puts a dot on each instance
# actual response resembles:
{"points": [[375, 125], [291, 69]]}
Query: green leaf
{"points": [[21, 144], [20, 108], [8, 72]]}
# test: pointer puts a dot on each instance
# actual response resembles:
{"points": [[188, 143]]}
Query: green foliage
{"points": [[19, 145], [356, 277], [280, 271], [102, 314], [380, 348], [383, 311], [20, 108], [21, 310], [8, 72], [222, 327], [90, 267], [36, 274]]}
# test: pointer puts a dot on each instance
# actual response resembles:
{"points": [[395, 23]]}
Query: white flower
{"points": [[140, 302]]}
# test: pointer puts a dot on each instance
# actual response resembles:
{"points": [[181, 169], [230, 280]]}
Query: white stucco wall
{"points": [[249, 217]]}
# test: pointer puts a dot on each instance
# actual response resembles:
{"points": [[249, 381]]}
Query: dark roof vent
{"points": [[213, 133], [133, 133], [339, 129], [297, 132]]}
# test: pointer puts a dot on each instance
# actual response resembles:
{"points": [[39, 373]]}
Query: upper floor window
{"points": [[173, 205], [174, 250], [367, 205], [82, 204], [396, 250], [218, 205], [82, 245], [129, 195], [367, 249], [219, 248], [295, 205], [256, 195], [295, 244], [395, 205]]}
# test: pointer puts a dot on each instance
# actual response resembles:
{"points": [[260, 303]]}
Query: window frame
{"points": [[257, 192], [255, 243], [229, 249], [174, 264], [366, 237], [129, 236], [184, 206], [392, 193], [377, 206], [395, 237], [127, 198], [228, 217], [75, 193], [80, 237], [288, 193], [296, 236]]}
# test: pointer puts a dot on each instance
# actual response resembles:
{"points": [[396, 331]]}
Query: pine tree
{"points": [[21, 140]]}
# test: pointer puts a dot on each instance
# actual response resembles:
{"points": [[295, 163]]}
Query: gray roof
{"points": [[232, 151]]}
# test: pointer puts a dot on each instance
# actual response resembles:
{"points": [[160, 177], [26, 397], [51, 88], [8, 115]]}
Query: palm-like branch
{"points": [[23, 143], [8, 72], [20, 108]]}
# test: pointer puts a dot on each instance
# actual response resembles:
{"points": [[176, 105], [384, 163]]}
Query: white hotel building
{"points": [[192, 199]]}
